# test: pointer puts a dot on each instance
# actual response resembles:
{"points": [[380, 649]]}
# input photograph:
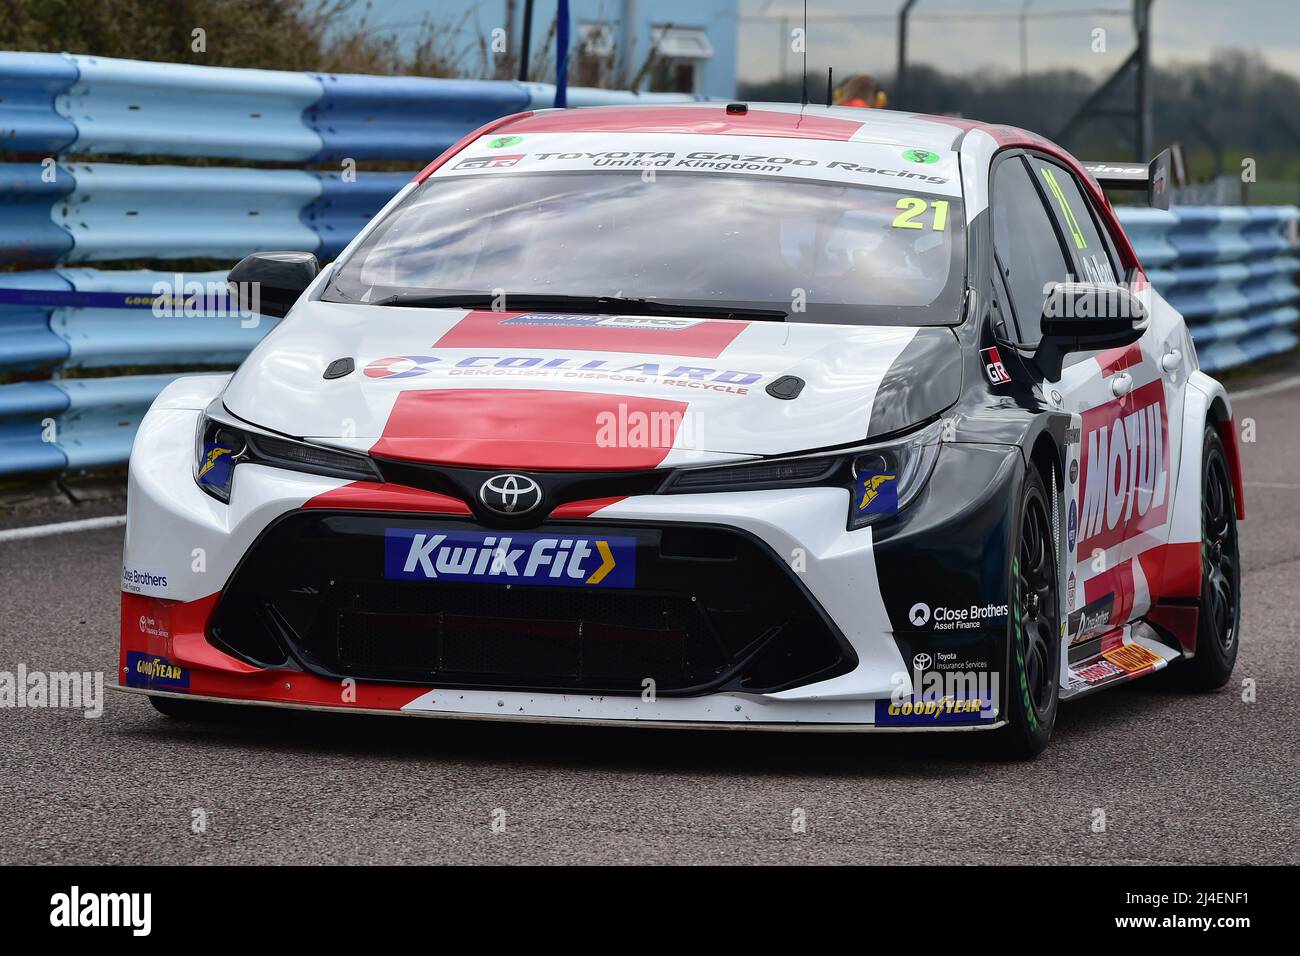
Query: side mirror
{"points": [[1085, 316], [270, 282]]}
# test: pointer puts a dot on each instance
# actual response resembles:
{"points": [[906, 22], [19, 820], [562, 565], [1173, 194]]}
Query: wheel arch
{"points": [[1045, 456], [1207, 403]]}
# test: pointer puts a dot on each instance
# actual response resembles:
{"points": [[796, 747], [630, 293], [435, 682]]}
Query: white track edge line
{"points": [[63, 527], [1281, 386]]}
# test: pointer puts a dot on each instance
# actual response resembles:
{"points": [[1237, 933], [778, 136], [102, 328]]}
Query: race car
{"points": [[704, 415]]}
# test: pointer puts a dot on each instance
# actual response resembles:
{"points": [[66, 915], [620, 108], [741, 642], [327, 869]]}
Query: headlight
{"points": [[881, 479], [222, 443], [887, 477]]}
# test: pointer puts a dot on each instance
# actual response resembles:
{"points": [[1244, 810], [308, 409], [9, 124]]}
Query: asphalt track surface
{"points": [[1180, 778]]}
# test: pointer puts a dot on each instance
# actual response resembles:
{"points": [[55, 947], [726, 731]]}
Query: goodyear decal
{"points": [[570, 561], [216, 466], [912, 712], [876, 494], [158, 673]]}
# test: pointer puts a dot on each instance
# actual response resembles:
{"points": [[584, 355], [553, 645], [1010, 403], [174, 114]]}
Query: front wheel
{"points": [[1034, 632]]}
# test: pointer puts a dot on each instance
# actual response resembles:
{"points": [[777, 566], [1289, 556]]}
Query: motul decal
{"points": [[993, 367], [1125, 468]]}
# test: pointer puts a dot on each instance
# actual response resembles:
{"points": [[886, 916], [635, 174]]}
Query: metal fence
{"points": [[65, 329]]}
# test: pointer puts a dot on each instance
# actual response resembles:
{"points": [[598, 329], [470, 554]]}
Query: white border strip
{"points": [[63, 527], [757, 725]]}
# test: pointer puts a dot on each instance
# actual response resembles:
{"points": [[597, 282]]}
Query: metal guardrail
{"points": [[29, 83], [1231, 271]]}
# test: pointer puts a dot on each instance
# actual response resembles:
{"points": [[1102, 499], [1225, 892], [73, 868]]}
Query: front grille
{"points": [[537, 635], [712, 608]]}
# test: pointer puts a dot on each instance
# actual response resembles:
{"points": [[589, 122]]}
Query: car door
{"points": [[1031, 252], [1143, 420]]}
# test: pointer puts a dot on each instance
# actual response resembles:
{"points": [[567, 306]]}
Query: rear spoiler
{"points": [[1153, 178]]}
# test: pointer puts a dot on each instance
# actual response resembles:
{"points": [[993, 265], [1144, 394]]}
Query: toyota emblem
{"points": [[922, 661], [510, 494]]}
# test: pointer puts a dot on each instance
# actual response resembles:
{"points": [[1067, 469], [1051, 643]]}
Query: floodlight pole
{"points": [[527, 41], [900, 78]]}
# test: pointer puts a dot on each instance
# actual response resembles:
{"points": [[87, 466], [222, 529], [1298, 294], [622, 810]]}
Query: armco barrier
{"points": [[344, 206], [133, 108], [184, 212], [28, 232], [56, 104], [81, 423], [1231, 271], [404, 117], [29, 83], [113, 338]]}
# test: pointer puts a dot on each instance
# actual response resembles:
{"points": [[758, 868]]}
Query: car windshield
{"points": [[825, 252]]}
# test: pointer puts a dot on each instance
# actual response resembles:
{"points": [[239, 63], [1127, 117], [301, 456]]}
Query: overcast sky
{"points": [[957, 35], [963, 35]]}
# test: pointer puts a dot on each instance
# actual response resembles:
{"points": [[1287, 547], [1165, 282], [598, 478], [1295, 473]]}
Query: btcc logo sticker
{"points": [[646, 322], [536, 559]]}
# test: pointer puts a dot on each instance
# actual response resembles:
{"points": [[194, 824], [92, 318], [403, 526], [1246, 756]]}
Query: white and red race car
{"points": [[755, 416]]}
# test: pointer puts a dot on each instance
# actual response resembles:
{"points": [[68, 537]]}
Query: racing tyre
{"points": [[1033, 691], [1219, 621]]}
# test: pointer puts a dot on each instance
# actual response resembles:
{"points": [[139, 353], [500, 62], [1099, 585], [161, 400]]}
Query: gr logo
{"points": [[920, 614]]}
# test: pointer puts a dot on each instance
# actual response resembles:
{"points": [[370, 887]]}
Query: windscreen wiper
{"points": [[583, 304]]}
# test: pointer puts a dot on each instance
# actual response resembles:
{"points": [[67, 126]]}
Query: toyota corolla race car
{"points": [[700, 416]]}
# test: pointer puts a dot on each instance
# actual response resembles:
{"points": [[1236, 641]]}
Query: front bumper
{"points": [[196, 576]]}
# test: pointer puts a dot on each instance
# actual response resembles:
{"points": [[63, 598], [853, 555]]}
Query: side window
{"points": [[1028, 251], [1074, 215]]}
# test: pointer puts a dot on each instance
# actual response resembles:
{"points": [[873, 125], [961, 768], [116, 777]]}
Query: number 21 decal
{"points": [[914, 206]]}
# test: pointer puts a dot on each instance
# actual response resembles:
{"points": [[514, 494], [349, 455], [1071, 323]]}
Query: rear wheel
{"points": [[1035, 633], [1219, 620]]}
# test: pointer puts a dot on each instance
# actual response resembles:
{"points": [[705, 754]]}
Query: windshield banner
{"points": [[647, 154]]}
